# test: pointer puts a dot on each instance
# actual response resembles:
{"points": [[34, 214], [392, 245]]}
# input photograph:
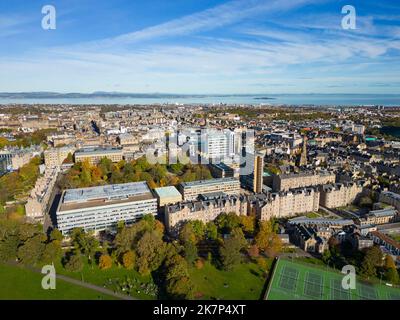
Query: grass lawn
{"points": [[22, 284], [395, 236], [312, 215], [109, 278], [300, 281], [245, 282]]}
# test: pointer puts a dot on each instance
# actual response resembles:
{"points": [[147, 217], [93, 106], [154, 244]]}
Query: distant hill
{"points": [[103, 94]]}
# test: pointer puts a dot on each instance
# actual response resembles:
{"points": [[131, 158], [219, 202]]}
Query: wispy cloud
{"points": [[13, 24], [310, 52], [216, 17]]}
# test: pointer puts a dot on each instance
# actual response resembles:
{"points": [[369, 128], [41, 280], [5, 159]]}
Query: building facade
{"points": [[205, 210], [94, 154], [287, 204], [191, 190], [284, 182], [339, 194], [390, 198], [54, 157], [99, 208], [39, 198]]}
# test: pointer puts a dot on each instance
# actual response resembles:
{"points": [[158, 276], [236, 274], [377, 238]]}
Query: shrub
{"points": [[199, 264], [105, 262]]}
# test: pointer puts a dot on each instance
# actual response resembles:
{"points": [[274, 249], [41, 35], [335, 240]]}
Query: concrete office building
{"points": [[221, 170], [339, 194], [254, 181], [98, 208], [3, 166], [95, 154], [284, 182], [217, 145], [191, 190]]}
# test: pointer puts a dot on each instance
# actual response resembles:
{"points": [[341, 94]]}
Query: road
{"points": [[82, 284], [50, 216]]}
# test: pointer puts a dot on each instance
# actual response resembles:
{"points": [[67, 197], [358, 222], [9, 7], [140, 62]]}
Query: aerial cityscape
{"points": [[175, 171]]}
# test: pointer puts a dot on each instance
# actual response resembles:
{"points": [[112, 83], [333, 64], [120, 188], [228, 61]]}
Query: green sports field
{"points": [[299, 281]]}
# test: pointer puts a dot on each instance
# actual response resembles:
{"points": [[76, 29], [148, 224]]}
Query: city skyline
{"points": [[207, 47]]}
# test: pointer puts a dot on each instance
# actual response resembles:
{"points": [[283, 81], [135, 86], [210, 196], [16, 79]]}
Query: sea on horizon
{"points": [[272, 99]]}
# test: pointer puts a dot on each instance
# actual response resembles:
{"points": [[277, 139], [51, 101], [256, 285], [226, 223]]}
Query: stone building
{"points": [[206, 209], [284, 182], [287, 204], [339, 194], [54, 157]]}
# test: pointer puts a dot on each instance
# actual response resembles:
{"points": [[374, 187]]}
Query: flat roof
{"points": [[221, 166], [388, 212], [321, 221], [209, 182], [104, 195], [97, 150], [166, 192], [391, 195]]}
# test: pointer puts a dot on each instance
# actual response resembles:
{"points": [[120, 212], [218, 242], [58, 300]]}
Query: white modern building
{"points": [[99, 208]]}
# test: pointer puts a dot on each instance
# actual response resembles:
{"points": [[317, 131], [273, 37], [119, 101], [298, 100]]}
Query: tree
{"points": [[74, 263], [116, 175], [190, 252], [56, 234], [227, 222], [365, 202], [178, 283], [198, 229], [96, 174], [27, 230], [85, 243], [128, 259], [247, 223], [391, 273], [211, 231], [124, 239], [230, 251], [150, 252], [31, 251], [267, 240], [372, 259], [392, 276], [52, 252], [389, 262], [105, 262], [92, 247], [176, 168], [253, 251], [187, 233], [9, 247]]}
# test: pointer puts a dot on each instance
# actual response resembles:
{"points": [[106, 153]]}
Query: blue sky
{"points": [[200, 46]]}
